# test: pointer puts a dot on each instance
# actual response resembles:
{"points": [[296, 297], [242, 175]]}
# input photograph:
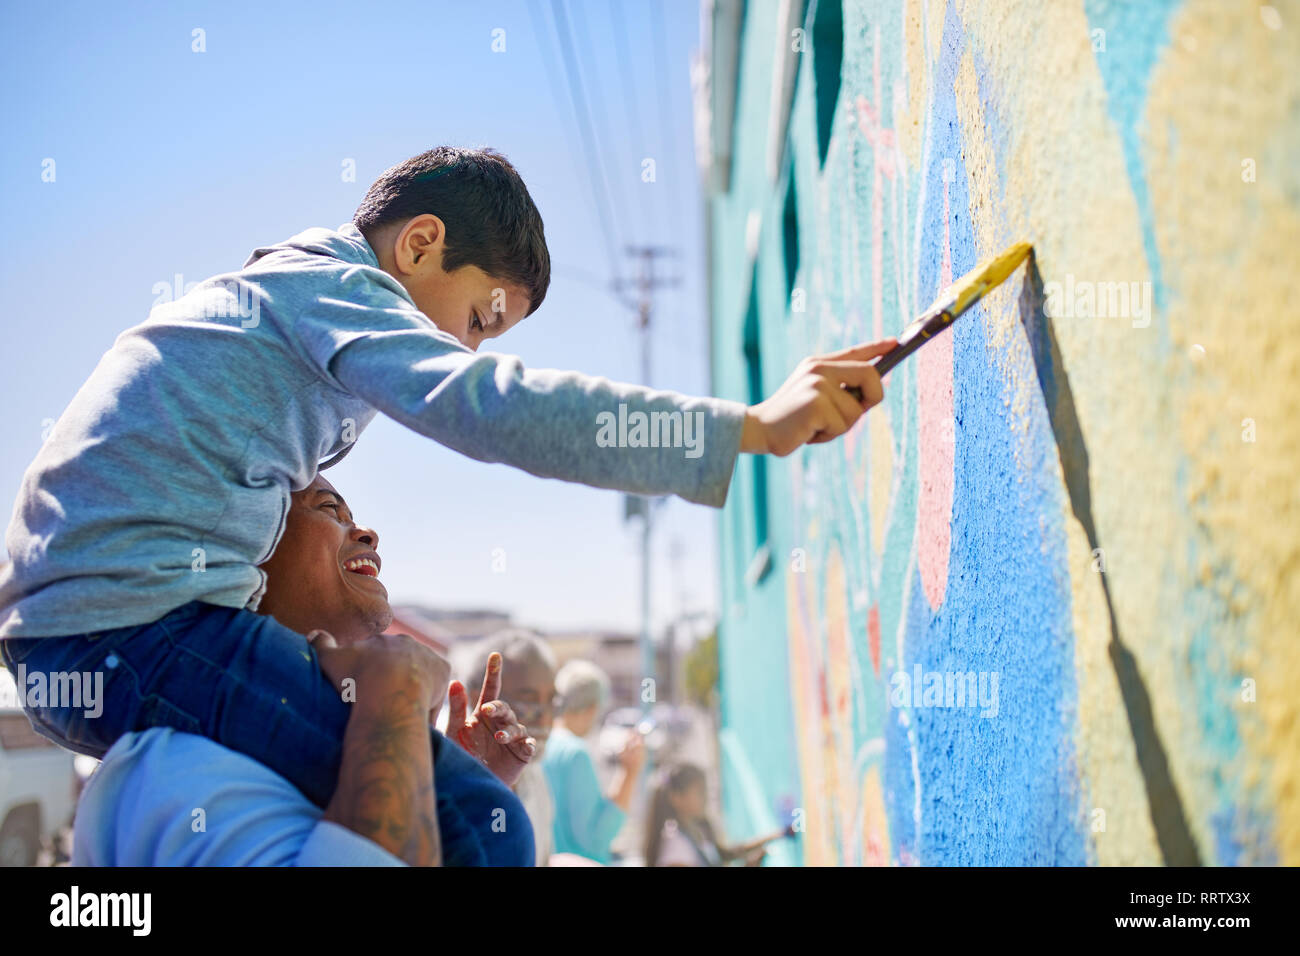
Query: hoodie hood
{"points": [[345, 243]]}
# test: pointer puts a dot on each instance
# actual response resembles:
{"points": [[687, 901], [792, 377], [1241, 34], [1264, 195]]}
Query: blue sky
{"points": [[170, 161]]}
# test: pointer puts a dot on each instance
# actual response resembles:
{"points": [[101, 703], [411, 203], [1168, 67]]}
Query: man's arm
{"points": [[386, 785], [163, 798]]}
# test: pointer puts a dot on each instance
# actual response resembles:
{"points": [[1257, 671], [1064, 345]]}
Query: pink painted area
{"points": [[935, 465], [873, 637]]}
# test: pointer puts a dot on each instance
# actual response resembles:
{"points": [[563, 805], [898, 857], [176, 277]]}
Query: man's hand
{"points": [[387, 663], [814, 405], [491, 733]]}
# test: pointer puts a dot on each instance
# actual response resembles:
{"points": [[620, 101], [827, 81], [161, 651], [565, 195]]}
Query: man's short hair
{"points": [[491, 219]]}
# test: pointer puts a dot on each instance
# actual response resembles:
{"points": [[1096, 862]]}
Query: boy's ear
{"points": [[419, 243]]}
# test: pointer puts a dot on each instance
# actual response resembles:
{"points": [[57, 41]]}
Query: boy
{"points": [[138, 530]]}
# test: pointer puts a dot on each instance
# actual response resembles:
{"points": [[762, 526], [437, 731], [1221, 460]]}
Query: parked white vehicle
{"points": [[38, 783]]}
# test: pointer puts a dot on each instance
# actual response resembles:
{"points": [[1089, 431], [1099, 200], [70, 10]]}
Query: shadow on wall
{"points": [[1172, 833]]}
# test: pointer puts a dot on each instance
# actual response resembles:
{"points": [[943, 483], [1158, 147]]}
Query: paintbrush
{"points": [[951, 303]]}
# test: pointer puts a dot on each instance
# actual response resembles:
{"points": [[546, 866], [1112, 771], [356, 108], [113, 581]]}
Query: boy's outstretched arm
{"points": [[375, 346]]}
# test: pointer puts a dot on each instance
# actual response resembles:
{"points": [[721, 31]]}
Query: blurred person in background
{"points": [[528, 688], [678, 831], [586, 818]]}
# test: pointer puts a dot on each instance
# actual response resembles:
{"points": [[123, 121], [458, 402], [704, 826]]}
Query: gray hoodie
{"points": [[167, 478]]}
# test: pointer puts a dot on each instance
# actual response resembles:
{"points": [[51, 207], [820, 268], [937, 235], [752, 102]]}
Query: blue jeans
{"points": [[252, 685]]}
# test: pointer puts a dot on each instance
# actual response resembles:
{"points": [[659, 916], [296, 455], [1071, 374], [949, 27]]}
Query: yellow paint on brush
{"points": [[990, 274]]}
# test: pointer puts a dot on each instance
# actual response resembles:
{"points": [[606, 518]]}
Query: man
{"points": [[165, 798], [314, 583]]}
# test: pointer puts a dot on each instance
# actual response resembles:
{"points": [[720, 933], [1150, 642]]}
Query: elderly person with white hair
{"points": [[586, 819], [527, 684]]}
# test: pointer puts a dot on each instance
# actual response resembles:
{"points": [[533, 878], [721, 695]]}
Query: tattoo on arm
{"points": [[386, 789]]}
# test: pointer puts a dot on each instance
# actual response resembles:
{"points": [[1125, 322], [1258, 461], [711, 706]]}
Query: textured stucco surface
{"points": [[961, 526]]}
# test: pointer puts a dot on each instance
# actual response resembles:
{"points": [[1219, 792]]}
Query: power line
{"points": [[611, 163], [544, 31], [599, 185], [636, 132], [665, 110]]}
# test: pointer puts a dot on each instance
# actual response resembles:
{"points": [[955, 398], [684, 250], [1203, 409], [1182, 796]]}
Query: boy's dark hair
{"points": [[491, 220]]}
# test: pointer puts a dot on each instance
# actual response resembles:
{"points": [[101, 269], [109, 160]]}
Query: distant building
{"points": [[616, 653], [444, 629], [457, 633]]}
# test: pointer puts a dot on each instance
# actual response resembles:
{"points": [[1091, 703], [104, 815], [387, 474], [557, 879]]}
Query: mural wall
{"points": [[1040, 606]]}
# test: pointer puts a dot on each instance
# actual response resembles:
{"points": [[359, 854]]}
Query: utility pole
{"points": [[645, 285]]}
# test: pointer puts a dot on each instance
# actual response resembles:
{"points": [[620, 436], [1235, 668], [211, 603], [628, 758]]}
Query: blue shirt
{"points": [[586, 821], [164, 798], [179, 453]]}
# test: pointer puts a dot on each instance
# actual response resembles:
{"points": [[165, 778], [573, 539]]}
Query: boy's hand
{"points": [[813, 405], [491, 733]]}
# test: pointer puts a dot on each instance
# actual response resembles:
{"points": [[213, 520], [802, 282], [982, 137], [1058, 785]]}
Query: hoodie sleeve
{"points": [[370, 341]]}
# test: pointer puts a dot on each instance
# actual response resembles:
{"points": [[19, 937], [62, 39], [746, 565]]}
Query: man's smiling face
{"points": [[325, 570]]}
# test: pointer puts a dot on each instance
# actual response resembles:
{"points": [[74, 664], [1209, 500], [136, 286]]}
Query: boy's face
{"points": [[324, 573], [466, 303]]}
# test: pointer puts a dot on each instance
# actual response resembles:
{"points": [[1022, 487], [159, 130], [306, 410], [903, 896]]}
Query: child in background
{"points": [[138, 530], [678, 831]]}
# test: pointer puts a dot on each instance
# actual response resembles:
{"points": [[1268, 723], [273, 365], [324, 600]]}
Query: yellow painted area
{"points": [[874, 821], [1228, 95], [1110, 779], [881, 438], [1219, 93], [911, 122]]}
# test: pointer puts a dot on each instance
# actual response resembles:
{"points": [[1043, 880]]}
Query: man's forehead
{"points": [[320, 484]]}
